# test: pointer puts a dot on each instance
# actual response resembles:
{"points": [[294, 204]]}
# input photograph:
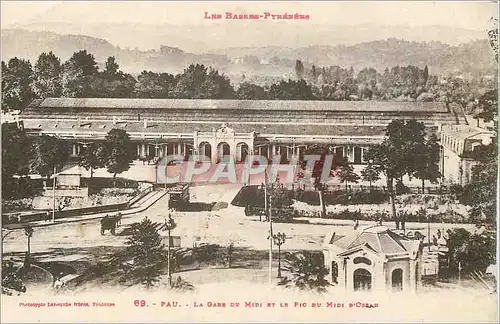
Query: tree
{"points": [[15, 146], [28, 231], [371, 174], [155, 85], [90, 159], [487, 105], [47, 76], [147, 251], [47, 153], [347, 175], [426, 74], [112, 83], [317, 171], [279, 239], [111, 66], [278, 198], [291, 90], [250, 91], [474, 251], [116, 152], [396, 155], [299, 69], [17, 76], [306, 270], [79, 72], [493, 37], [426, 166], [483, 185], [314, 74], [198, 82], [367, 81]]}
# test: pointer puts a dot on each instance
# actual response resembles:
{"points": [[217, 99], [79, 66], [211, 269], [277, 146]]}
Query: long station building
{"points": [[216, 128]]}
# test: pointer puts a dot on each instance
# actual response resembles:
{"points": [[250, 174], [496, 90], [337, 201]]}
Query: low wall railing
{"points": [[19, 217]]}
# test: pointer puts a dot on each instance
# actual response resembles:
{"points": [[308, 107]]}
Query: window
{"points": [[335, 272], [362, 260], [397, 279]]}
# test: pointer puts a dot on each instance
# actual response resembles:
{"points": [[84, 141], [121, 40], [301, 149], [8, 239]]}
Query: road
{"points": [[225, 226]]}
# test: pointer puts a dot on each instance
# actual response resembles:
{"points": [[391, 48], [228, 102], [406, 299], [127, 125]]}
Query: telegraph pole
{"points": [[270, 242], [54, 196], [265, 198], [269, 215]]}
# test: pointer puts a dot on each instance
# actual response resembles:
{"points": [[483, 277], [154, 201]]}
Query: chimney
{"points": [[138, 116], [145, 123]]}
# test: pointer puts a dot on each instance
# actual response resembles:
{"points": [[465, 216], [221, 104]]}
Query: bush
{"points": [[345, 214], [17, 205], [401, 188], [19, 188], [211, 254], [306, 271], [309, 197], [182, 285], [475, 251], [356, 198], [97, 184]]}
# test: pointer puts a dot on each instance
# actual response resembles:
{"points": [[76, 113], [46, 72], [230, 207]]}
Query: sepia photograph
{"points": [[261, 161]]}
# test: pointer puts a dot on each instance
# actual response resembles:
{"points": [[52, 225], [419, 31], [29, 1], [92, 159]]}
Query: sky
{"points": [[462, 14]]}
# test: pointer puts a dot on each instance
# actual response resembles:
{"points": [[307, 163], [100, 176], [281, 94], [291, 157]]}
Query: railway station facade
{"points": [[217, 128]]}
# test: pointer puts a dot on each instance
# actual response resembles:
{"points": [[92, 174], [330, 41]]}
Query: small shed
{"points": [[373, 258]]}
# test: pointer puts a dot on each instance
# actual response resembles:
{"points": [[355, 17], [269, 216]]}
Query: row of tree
{"points": [[398, 83], [406, 150], [80, 77], [46, 154]]}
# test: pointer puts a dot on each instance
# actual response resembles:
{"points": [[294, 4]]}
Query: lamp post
{"points": [[169, 226], [28, 231], [279, 239]]}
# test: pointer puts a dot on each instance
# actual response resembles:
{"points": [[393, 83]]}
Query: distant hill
{"points": [[474, 57], [217, 36], [261, 63], [29, 44]]}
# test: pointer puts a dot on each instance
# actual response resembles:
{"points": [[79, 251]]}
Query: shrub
{"points": [[345, 214], [182, 285], [309, 197], [147, 251], [401, 188], [356, 198], [209, 253], [306, 271], [23, 187]]}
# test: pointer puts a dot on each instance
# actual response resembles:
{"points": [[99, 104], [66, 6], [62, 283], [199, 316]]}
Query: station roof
{"points": [[190, 127], [209, 104]]}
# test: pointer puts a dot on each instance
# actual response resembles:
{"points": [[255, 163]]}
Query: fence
{"points": [[432, 190], [141, 195], [11, 218]]}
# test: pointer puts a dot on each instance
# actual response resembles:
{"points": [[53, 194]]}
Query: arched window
{"points": [[362, 279], [335, 272], [397, 279], [205, 149]]}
